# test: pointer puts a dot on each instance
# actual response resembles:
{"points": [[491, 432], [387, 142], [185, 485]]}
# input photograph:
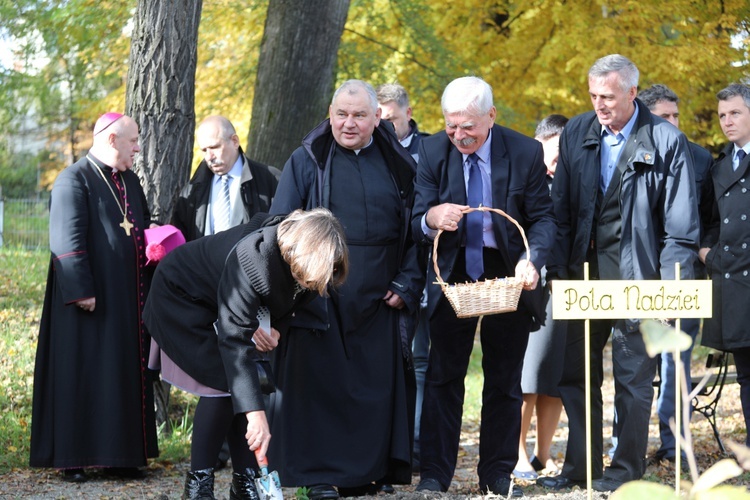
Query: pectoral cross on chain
{"points": [[126, 225]]}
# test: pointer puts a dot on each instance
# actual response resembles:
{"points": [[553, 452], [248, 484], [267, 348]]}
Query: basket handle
{"points": [[467, 211]]}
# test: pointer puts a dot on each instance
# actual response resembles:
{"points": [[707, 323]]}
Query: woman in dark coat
{"points": [[277, 267]]}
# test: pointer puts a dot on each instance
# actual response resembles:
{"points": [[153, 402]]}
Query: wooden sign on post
{"points": [[630, 299], [619, 299]]}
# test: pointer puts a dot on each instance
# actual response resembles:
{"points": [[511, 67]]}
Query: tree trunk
{"points": [[160, 97], [295, 78]]}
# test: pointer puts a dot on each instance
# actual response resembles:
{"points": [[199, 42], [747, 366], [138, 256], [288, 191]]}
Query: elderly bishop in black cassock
{"points": [[93, 401]]}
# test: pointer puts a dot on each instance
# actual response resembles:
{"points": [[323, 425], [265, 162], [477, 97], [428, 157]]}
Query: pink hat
{"points": [[105, 121], [160, 241]]}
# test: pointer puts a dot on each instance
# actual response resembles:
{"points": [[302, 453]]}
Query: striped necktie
{"points": [[223, 211]]}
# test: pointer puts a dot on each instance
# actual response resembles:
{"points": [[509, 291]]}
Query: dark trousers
{"points": [[633, 372], [504, 338], [420, 352], [742, 364]]}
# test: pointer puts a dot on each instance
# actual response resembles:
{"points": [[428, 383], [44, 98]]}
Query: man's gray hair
{"points": [[468, 95], [353, 87], [615, 63], [393, 92], [735, 89], [656, 94]]}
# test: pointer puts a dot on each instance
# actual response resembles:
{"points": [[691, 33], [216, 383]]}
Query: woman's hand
{"points": [[258, 434], [265, 342]]}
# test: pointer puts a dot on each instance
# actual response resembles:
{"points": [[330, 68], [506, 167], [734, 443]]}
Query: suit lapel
{"points": [[724, 175], [499, 170], [456, 176], [742, 167]]}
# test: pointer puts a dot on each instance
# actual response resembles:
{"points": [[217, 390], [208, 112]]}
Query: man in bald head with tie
{"points": [[227, 188]]}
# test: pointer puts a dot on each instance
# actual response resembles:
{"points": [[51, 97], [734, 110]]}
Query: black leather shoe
{"points": [[558, 482], [321, 492], [199, 485], [74, 476], [429, 484], [606, 484], [503, 485], [243, 486]]}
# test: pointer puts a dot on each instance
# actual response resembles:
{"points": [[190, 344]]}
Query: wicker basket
{"points": [[491, 296]]}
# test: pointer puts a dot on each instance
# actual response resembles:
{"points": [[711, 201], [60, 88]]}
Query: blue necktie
{"points": [[740, 156], [474, 244]]}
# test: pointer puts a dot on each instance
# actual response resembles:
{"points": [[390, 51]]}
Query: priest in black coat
{"points": [[93, 402], [344, 409]]}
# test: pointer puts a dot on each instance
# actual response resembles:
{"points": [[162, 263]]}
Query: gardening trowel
{"points": [[268, 484]]}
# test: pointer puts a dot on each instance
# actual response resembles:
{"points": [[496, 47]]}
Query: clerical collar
{"points": [[96, 161], [356, 151]]}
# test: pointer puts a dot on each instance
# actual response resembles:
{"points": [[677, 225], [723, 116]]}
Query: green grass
{"points": [[22, 281], [23, 277]]}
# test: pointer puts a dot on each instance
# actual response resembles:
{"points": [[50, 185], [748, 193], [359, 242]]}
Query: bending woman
{"points": [[280, 266]]}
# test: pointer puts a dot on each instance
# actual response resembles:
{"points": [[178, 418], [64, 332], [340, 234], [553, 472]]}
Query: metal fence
{"points": [[25, 222]]}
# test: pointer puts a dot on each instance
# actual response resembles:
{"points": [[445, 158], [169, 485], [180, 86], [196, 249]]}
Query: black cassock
{"points": [[93, 400], [340, 413]]}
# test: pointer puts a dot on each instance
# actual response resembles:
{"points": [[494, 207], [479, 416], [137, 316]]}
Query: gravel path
{"points": [[165, 481]]}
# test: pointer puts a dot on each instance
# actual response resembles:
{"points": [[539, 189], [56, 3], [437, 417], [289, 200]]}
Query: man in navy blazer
{"points": [[512, 172]]}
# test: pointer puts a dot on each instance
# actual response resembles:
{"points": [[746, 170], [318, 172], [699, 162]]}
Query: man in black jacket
{"points": [[724, 247], [225, 172], [624, 195]]}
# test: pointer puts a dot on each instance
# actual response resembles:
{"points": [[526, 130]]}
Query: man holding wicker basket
{"points": [[476, 163]]}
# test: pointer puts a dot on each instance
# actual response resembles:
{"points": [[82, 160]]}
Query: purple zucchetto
{"points": [[105, 121]]}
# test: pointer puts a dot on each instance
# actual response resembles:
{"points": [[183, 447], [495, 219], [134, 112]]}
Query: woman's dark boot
{"points": [[243, 486], [199, 485]]}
